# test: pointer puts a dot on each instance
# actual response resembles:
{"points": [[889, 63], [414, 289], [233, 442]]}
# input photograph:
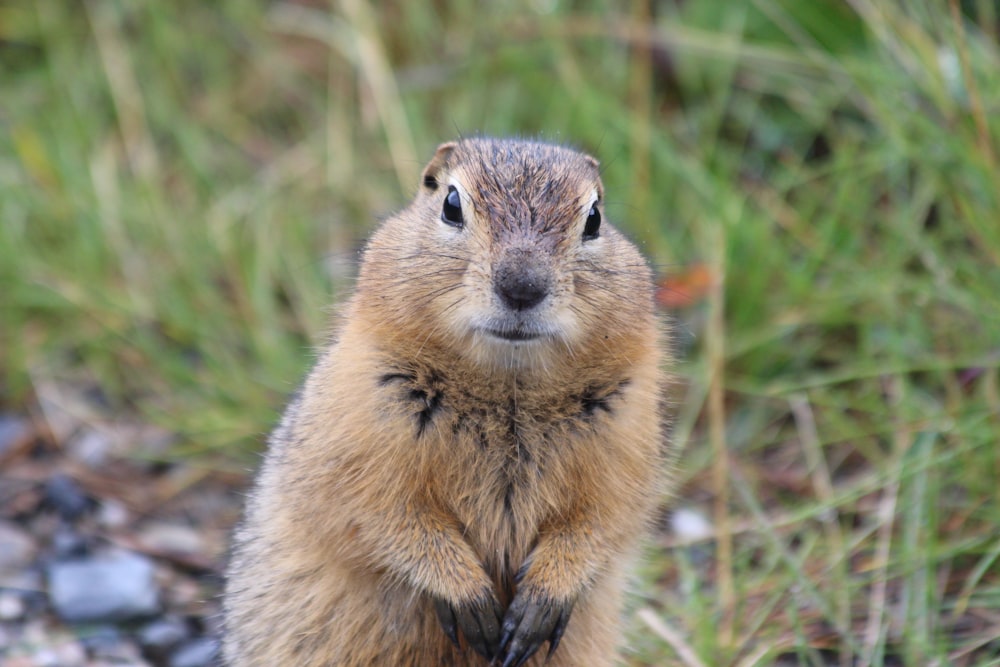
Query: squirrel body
{"points": [[470, 467]]}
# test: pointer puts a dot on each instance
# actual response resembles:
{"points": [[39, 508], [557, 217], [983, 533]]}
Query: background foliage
{"points": [[184, 185]]}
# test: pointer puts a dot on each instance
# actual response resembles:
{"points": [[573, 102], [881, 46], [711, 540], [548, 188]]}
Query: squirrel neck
{"points": [[571, 373]]}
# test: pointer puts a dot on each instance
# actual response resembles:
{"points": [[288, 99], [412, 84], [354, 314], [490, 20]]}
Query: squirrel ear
{"points": [[593, 161], [434, 167]]}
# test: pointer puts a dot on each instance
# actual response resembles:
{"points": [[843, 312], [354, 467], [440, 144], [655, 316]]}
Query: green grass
{"points": [[183, 187]]}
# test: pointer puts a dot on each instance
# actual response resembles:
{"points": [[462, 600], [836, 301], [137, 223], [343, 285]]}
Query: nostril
{"points": [[520, 284]]}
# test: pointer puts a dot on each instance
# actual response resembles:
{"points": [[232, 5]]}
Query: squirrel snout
{"points": [[522, 279]]}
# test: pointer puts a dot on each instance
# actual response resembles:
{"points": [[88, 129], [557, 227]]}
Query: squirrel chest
{"points": [[506, 458]]}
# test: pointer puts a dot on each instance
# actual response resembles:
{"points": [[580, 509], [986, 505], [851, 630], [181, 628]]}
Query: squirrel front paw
{"points": [[479, 620], [531, 620]]}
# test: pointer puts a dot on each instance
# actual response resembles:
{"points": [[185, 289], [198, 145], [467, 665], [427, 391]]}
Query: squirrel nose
{"points": [[521, 280]]}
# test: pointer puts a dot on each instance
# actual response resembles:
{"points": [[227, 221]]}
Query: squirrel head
{"points": [[506, 258]]}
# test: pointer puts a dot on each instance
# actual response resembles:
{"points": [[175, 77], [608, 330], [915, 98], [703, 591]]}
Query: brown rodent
{"points": [[471, 464]]}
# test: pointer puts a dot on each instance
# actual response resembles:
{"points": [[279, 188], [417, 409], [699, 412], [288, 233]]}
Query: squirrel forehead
{"points": [[497, 172]]}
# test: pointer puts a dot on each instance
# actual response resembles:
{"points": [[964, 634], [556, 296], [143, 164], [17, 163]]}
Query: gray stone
{"points": [[90, 447], [159, 536], [12, 607], [202, 652], [65, 496], [15, 435], [112, 514], [68, 543], [108, 587], [160, 637], [99, 638], [17, 547]]}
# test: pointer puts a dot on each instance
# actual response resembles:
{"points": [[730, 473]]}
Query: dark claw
{"points": [[557, 633], [479, 621], [447, 618], [529, 623]]}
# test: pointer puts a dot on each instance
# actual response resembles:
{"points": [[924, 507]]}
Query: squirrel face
{"points": [[505, 251]]}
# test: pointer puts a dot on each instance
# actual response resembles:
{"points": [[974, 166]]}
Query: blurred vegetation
{"points": [[184, 185]]}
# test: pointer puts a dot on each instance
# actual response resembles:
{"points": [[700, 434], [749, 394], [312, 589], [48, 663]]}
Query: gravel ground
{"points": [[107, 557]]}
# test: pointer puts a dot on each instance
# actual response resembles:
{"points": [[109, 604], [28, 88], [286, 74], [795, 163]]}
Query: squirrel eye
{"points": [[592, 228], [451, 212]]}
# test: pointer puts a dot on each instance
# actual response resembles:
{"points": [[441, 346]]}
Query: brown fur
{"points": [[425, 459]]}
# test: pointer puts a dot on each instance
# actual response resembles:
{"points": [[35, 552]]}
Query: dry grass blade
{"points": [[716, 357], [819, 473], [975, 99], [125, 91], [669, 635], [877, 626], [378, 75]]}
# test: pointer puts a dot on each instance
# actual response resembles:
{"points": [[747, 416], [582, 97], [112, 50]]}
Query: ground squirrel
{"points": [[470, 466]]}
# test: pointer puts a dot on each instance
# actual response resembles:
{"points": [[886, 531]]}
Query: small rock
{"points": [[107, 587], [101, 640], [691, 525], [159, 638], [66, 497], [107, 647], [90, 447], [67, 543], [45, 657], [112, 514], [66, 654], [16, 435], [171, 538], [25, 582], [17, 547], [198, 653], [12, 606]]}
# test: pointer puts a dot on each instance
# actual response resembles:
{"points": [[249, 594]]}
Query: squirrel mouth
{"points": [[514, 335]]}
